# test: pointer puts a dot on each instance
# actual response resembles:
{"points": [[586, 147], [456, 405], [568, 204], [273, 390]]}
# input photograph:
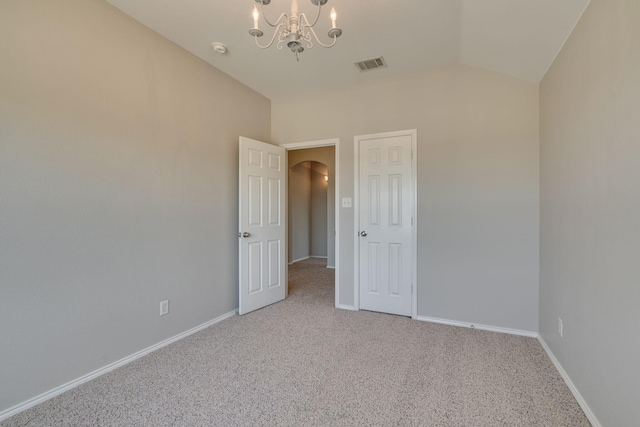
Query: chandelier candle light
{"points": [[294, 29]]}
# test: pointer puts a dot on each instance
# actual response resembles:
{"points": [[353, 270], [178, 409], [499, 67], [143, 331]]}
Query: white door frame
{"points": [[316, 144], [414, 214]]}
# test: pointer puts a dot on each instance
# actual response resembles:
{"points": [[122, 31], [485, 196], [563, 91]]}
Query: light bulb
{"points": [[256, 16], [334, 15]]}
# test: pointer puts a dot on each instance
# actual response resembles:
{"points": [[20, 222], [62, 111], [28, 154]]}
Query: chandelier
{"points": [[294, 30]]}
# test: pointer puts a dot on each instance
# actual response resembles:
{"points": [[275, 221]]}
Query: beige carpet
{"points": [[302, 362]]}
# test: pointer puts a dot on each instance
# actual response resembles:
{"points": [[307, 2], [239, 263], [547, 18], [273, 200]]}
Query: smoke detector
{"points": [[219, 48]]}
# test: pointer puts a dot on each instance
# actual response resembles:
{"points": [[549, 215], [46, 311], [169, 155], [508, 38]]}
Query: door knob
{"points": [[245, 234], [363, 233]]}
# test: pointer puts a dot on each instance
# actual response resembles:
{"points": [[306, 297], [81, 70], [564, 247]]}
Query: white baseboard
{"points": [[308, 257], [346, 307], [574, 390], [500, 329], [88, 377], [331, 266]]}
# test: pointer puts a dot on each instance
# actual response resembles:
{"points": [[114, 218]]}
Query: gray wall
{"points": [[118, 171], [478, 183], [590, 209], [307, 211], [299, 211], [318, 209], [324, 155]]}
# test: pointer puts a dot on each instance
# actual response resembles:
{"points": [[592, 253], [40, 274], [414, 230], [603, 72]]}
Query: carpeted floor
{"points": [[302, 362]]}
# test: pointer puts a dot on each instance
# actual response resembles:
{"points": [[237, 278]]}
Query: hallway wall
{"points": [[318, 209], [299, 225]]}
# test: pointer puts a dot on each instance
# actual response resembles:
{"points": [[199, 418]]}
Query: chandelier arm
{"points": [[307, 38], [335, 39], [264, 15], [304, 22], [275, 34], [281, 39], [317, 17]]}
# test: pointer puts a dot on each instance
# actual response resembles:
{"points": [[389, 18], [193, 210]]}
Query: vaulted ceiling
{"points": [[515, 37]]}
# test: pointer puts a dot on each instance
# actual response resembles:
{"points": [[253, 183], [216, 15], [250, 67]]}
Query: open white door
{"points": [[262, 225]]}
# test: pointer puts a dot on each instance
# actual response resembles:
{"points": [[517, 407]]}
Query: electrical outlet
{"points": [[164, 307], [560, 328], [346, 202]]}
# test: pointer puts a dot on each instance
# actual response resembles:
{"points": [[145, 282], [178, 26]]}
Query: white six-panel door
{"points": [[385, 202], [262, 225]]}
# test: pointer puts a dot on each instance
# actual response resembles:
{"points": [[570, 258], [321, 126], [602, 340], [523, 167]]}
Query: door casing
{"points": [[414, 214]]}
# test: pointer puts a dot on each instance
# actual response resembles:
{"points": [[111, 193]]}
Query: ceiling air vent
{"points": [[371, 64]]}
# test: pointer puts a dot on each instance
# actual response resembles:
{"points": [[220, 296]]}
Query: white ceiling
{"points": [[516, 37]]}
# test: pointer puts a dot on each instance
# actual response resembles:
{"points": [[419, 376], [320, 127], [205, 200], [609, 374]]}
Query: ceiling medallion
{"points": [[294, 30]]}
